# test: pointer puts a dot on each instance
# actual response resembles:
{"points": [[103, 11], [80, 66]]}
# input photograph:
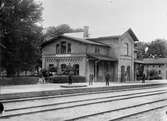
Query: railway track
{"points": [[57, 103], [125, 112]]}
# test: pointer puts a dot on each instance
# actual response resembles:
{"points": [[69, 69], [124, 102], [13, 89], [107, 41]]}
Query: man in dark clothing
{"points": [[91, 79], [143, 78], [70, 78], [107, 78]]}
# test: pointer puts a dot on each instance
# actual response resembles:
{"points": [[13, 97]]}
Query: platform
{"points": [[37, 90], [54, 86]]}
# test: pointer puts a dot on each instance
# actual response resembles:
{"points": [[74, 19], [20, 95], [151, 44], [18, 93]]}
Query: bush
{"points": [[18, 80], [64, 79]]}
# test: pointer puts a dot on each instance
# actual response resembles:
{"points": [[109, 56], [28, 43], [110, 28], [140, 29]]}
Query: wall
{"points": [[91, 49], [77, 55], [124, 58], [117, 51], [114, 44], [157, 67], [76, 47]]}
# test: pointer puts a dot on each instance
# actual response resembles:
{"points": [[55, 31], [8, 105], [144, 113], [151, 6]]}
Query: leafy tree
{"points": [[157, 49], [59, 30], [20, 34], [141, 49]]}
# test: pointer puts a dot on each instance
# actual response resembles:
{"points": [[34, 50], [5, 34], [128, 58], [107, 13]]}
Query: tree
{"points": [[20, 34], [157, 49], [141, 50], [59, 30]]}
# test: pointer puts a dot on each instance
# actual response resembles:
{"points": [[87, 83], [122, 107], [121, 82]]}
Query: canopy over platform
{"points": [[101, 57]]}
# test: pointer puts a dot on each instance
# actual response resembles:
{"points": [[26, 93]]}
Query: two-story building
{"points": [[97, 56]]}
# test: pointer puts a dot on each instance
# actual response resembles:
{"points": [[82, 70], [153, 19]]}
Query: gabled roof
{"points": [[117, 37], [73, 38], [132, 34], [93, 41], [106, 37]]}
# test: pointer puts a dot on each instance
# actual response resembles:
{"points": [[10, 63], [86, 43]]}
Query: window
{"points": [[76, 69], [126, 49], [63, 67], [51, 65], [159, 71], [57, 48], [97, 50], [63, 47], [69, 48]]}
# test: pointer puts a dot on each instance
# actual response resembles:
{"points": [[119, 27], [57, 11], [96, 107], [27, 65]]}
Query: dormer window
{"points": [[69, 48], [63, 47], [97, 50], [57, 48]]}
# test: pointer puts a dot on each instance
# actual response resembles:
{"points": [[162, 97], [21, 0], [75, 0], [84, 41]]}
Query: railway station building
{"points": [[97, 56]]}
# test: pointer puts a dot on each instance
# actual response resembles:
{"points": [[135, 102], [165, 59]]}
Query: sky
{"points": [[147, 18]]}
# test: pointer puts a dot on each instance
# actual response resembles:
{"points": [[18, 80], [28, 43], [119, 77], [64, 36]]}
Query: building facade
{"points": [[97, 56], [158, 65]]}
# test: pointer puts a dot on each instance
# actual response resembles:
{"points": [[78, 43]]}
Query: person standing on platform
{"points": [[143, 78], [70, 78], [91, 79], [41, 79], [107, 78]]}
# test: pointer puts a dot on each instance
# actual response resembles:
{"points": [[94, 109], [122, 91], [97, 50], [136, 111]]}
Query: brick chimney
{"points": [[86, 32]]}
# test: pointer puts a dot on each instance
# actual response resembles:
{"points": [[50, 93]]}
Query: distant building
{"points": [[113, 54], [157, 64]]}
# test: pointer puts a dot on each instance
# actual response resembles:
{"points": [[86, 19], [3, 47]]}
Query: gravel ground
{"points": [[154, 115]]}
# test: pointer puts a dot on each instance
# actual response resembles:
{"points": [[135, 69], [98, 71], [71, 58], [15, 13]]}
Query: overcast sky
{"points": [[147, 18]]}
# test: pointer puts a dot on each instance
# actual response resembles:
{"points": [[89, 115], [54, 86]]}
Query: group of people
{"points": [[41, 80], [107, 79]]}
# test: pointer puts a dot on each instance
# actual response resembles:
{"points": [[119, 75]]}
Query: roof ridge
{"points": [[74, 38], [84, 39], [113, 36]]}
